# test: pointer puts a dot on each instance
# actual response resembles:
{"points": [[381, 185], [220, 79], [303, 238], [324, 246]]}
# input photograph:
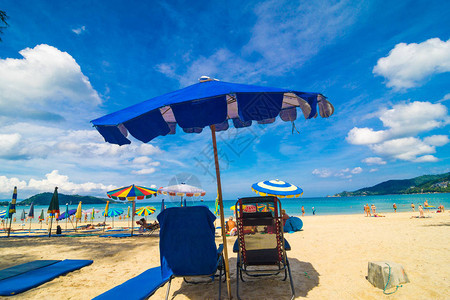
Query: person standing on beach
{"points": [[367, 210], [413, 207], [303, 210], [421, 215], [314, 211], [395, 207], [425, 204], [374, 209]]}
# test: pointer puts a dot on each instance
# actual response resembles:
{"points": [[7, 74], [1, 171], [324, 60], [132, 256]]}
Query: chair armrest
{"points": [[220, 249]]}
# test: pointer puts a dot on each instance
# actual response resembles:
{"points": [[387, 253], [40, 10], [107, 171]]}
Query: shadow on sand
{"points": [[305, 278]]}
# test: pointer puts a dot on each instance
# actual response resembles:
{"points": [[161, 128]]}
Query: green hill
{"points": [[44, 199], [422, 184]]}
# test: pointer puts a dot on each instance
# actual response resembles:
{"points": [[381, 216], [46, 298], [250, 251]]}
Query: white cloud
{"points": [[373, 170], [356, 170], [364, 136], [399, 140], [408, 149], [46, 84], [408, 65], [402, 120], [52, 180], [142, 160], [144, 171], [436, 140], [426, 158], [148, 149], [7, 184], [445, 98], [322, 173], [374, 161], [79, 30]]}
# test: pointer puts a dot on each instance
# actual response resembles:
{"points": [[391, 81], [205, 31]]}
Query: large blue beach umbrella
{"points": [[210, 103]]}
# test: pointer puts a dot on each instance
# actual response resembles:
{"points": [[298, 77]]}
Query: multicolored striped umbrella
{"points": [[277, 188], [131, 193], [3, 214], [145, 211], [41, 217]]}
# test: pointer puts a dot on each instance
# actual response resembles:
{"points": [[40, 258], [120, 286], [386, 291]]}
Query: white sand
{"points": [[328, 260]]}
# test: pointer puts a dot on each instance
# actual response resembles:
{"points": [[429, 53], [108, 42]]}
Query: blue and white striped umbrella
{"points": [[277, 188]]}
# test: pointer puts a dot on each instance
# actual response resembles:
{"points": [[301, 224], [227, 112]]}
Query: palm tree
{"points": [[3, 17]]}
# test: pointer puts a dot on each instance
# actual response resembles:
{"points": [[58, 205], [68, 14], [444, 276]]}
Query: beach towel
{"points": [[293, 224], [139, 287], [33, 278]]}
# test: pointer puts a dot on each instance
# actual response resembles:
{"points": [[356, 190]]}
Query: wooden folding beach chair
{"points": [[262, 248]]}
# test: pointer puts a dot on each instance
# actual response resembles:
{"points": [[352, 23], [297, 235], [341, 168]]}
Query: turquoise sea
{"points": [[322, 205]]}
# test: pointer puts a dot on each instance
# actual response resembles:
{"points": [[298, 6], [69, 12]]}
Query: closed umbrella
{"points": [[53, 209], [210, 103], [78, 214], [12, 209], [41, 217], [31, 214], [105, 213]]}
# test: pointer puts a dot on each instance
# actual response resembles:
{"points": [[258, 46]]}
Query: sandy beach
{"points": [[328, 259]]}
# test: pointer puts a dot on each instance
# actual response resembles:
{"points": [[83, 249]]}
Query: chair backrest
{"points": [[187, 241], [260, 231]]}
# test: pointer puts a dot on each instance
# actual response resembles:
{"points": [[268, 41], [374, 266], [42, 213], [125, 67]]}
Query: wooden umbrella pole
{"points": [[50, 230], [222, 217], [133, 209], [10, 223]]}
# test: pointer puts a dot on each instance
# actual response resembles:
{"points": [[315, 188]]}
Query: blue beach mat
{"points": [[139, 287], [118, 235], [26, 267], [32, 236], [28, 280]]}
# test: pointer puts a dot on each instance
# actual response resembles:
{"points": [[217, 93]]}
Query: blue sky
{"points": [[384, 65]]}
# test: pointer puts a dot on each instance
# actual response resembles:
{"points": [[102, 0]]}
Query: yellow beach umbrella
{"points": [[78, 214], [105, 213]]}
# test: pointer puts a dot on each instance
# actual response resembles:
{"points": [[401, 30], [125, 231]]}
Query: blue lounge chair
{"points": [[187, 244], [261, 244]]}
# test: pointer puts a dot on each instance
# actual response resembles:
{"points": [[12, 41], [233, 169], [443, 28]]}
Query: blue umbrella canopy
{"points": [[66, 214], [114, 212], [277, 188], [207, 103]]}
